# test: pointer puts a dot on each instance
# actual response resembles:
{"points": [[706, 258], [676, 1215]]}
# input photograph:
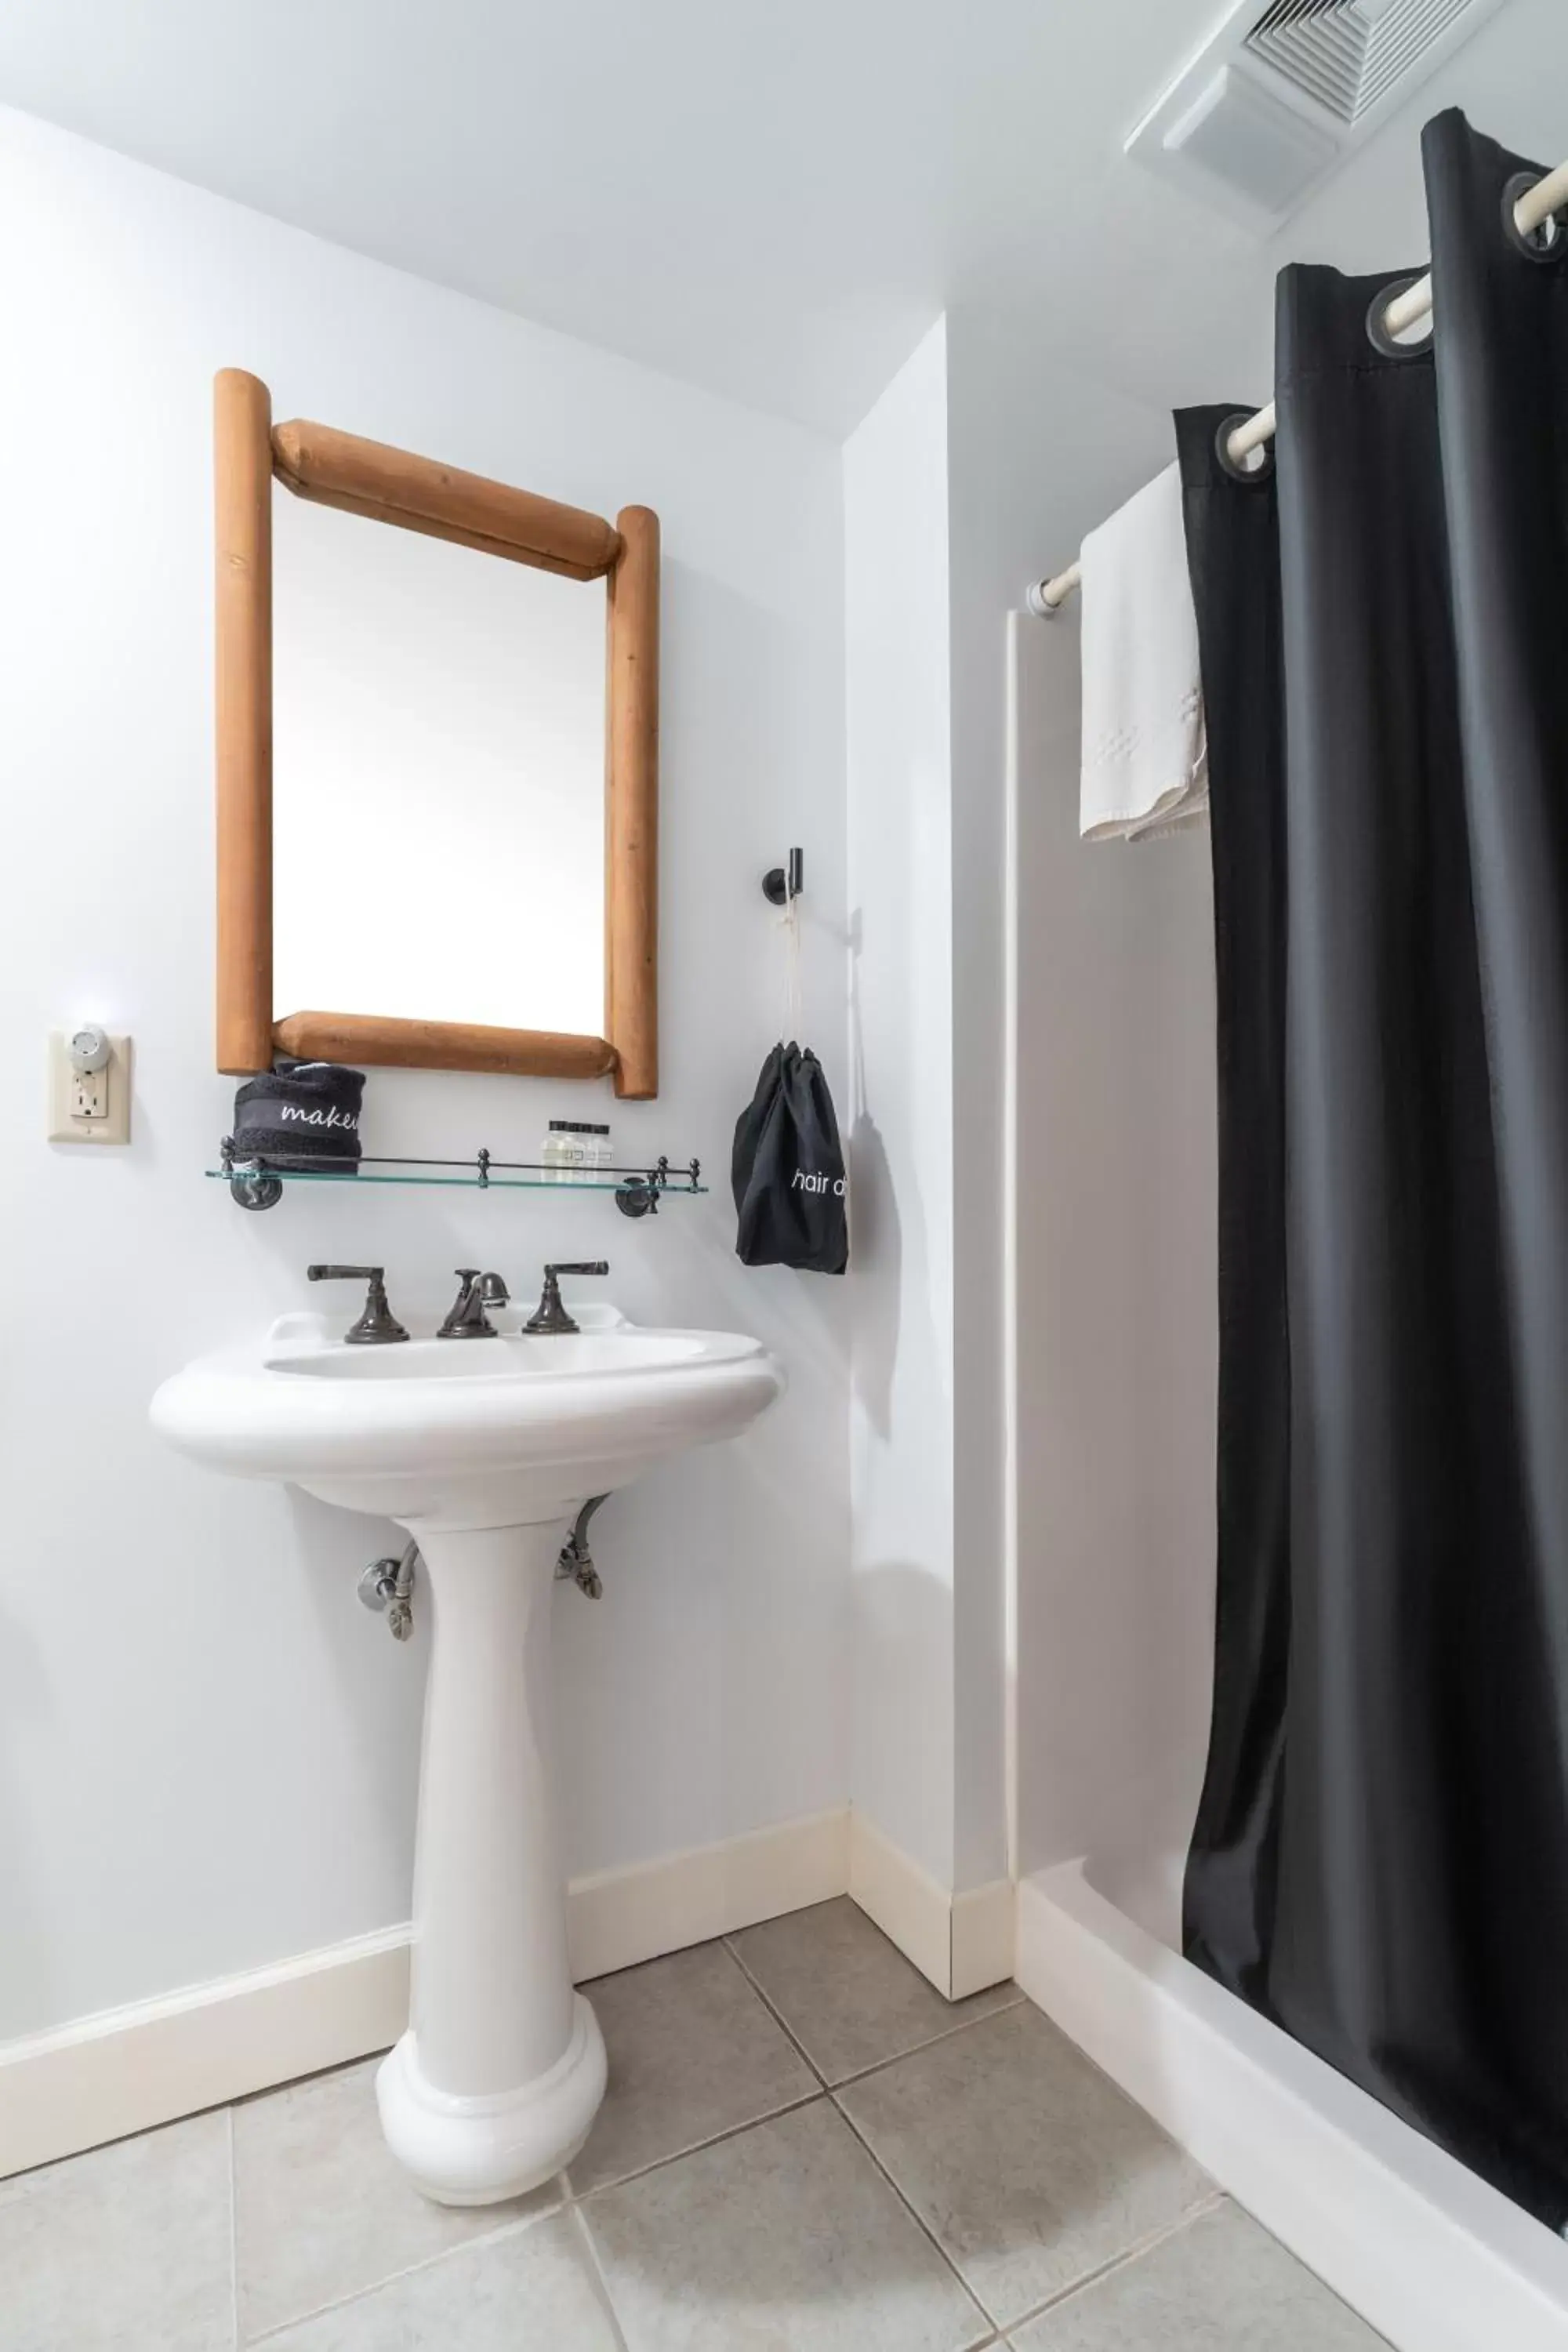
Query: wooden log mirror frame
{"points": [[365, 477]]}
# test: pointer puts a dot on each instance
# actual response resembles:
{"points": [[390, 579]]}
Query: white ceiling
{"points": [[773, 202]]}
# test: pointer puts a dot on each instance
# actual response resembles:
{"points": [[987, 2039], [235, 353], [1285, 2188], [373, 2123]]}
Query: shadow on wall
{"points": [[876, 1234], [876, 1241], [379, 1683]]}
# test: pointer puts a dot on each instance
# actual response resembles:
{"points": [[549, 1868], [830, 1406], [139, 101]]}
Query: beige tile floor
{"points": [[804, 2148]]}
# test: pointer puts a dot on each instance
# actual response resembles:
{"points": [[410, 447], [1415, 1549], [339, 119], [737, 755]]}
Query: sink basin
{"points": [[485, 1450], [463, 1432]]}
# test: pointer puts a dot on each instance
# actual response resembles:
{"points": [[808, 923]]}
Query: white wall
{"points": [[902, 1130], [208, 1748]]}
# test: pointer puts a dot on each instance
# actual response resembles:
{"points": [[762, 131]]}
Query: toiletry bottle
{"points": [[562, 1151], [574, 1147]]}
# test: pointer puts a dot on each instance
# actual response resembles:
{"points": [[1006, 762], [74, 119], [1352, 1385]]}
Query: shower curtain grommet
{"points": [[1260, 472], [1377, 334], [1548, 241]]}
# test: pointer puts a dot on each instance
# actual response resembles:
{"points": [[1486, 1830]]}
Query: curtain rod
{"points": [[1043, 597]]}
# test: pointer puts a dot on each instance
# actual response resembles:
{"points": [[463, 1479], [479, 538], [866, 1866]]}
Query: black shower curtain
{"points": [[1380, 1862]]}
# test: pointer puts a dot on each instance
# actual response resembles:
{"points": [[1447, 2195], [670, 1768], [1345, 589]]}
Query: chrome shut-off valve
{"points": [[387, 1585]]}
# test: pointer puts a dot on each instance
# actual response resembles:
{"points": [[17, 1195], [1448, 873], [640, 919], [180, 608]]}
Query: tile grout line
{"points": [[579, 2221], [944, 2034], [513, 2229], [776, 2014], [833, 2089], [961, 2025], [580, 2197], [1124, 2261], [986, 2343], [919, 2221]]}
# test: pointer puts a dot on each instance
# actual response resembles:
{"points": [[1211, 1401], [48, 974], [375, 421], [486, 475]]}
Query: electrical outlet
{"points": [[90, 1094], [89, 1105]]}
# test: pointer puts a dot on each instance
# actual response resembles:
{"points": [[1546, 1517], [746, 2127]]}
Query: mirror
{"points": [[455, 866], [438, 780]]}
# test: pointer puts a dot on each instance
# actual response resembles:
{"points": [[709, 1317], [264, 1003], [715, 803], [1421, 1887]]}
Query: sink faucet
{"points": [[466, 1319], [550, 1317]]}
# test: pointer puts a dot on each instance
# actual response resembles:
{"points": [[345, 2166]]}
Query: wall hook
{"points": [[780, 887]]}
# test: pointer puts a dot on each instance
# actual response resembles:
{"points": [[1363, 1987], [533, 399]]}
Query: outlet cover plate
{"points": [[65, 1127]]}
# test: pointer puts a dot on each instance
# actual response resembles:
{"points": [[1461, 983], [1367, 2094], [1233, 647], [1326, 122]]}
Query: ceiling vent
{"points": [[1284, 91], [1347, 54]]}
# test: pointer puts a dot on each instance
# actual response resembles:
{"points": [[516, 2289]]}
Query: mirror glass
{"points": [[438, 766]]}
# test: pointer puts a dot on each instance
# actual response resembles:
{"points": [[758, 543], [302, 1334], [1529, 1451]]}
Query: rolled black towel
{"points": [[302, 1114]]}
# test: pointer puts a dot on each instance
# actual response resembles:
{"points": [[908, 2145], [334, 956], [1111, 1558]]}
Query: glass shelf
{"points": [[637, 1190], [677, 1188]]}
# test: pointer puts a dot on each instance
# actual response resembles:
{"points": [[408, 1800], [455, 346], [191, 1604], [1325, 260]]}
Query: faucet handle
{"points": [[550, 1317], [378, 1326]]}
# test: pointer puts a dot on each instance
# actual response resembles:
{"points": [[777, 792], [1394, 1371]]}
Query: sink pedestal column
{"points": [[499, 2077]]}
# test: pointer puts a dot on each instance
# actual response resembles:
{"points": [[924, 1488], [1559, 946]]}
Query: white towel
{"points": [[1145, 760]]}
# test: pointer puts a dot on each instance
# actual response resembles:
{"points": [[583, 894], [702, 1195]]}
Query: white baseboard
{"points": [[128, 2069], [1432, 2257], [621, 1917], [984, 1935], [962, 1943]]}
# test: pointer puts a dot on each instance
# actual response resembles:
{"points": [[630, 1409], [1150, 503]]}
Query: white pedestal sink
{"points": [[485, 1450]]}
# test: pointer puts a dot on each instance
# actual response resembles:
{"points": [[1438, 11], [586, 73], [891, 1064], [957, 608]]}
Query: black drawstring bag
{"points": [[301, 1115], [788, 1170]]}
